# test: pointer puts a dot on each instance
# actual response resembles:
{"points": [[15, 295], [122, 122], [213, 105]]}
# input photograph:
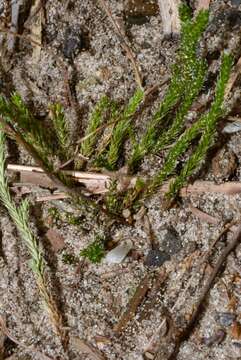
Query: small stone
{"points": [[172, 243], [117, 255], [225, 318], [156, 258], [126, 213], [74, 41], [137, 12], [232, 127], [216, 338], [149, 356]]}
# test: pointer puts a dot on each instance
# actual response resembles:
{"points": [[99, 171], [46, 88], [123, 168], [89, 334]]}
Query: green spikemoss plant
{"points": [[188, 75], [20, 217], [166, 127], [94, 252]]}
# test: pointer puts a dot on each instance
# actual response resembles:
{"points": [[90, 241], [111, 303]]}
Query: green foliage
{"points": [[54, 213], [18, 115], [20, 216], [205, 126], [69, 259], [113, 201], [94, 252], [122, 129], [111, 125], [194, 88], [73, 220], [95, 121], [185, 13], [61, 128], [188, 75], [208, 126]]}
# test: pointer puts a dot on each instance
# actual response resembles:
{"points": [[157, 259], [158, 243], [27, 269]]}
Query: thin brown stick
{"points": [[58, 196], [20, 36], [198, 309], [103, 179], [133, 304], [124, 43], [203, 260]]}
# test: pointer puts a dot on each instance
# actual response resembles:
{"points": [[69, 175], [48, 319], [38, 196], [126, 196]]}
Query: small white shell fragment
{"points": [[117, 255], [232, 127], [126, 213]]}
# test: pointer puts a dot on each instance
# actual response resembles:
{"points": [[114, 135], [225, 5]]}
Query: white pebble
{"points": [[117, 255]]}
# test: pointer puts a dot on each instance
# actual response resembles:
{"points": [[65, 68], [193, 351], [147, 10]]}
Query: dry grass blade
{"points": [[97, 183], [170, 17]]}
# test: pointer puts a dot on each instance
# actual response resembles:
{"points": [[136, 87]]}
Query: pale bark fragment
{"points": [[170, 17]]}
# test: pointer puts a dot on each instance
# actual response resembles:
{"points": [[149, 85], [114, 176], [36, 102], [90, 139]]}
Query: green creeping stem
{"points": [[172, 133], [188, 75], [17, 114], [208, 131], [122, 129], [61, 128], [20, 216], [96, 119], [205, 125]]}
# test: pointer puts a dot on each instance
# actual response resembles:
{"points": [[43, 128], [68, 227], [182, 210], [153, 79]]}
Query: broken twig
{"points": [[132, 306], [98, 183], [198, 309]]}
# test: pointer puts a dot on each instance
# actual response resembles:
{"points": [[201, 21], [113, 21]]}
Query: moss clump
{"points": [[94, 252], [69, 259]]}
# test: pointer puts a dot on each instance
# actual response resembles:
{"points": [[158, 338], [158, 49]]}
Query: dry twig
{"points": [[204, 216], [200, 303], [182, 298], [133, 304], [202, 4], [101, 181]]}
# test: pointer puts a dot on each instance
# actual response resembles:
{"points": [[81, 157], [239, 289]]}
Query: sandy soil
{"points": [[92, 297]]}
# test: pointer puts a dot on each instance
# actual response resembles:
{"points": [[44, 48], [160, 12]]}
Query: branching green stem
{"points": [[20, 217], [205, 125]]}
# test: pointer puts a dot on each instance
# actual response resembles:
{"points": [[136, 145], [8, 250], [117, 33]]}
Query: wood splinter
{"points": [[133, 304]]}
